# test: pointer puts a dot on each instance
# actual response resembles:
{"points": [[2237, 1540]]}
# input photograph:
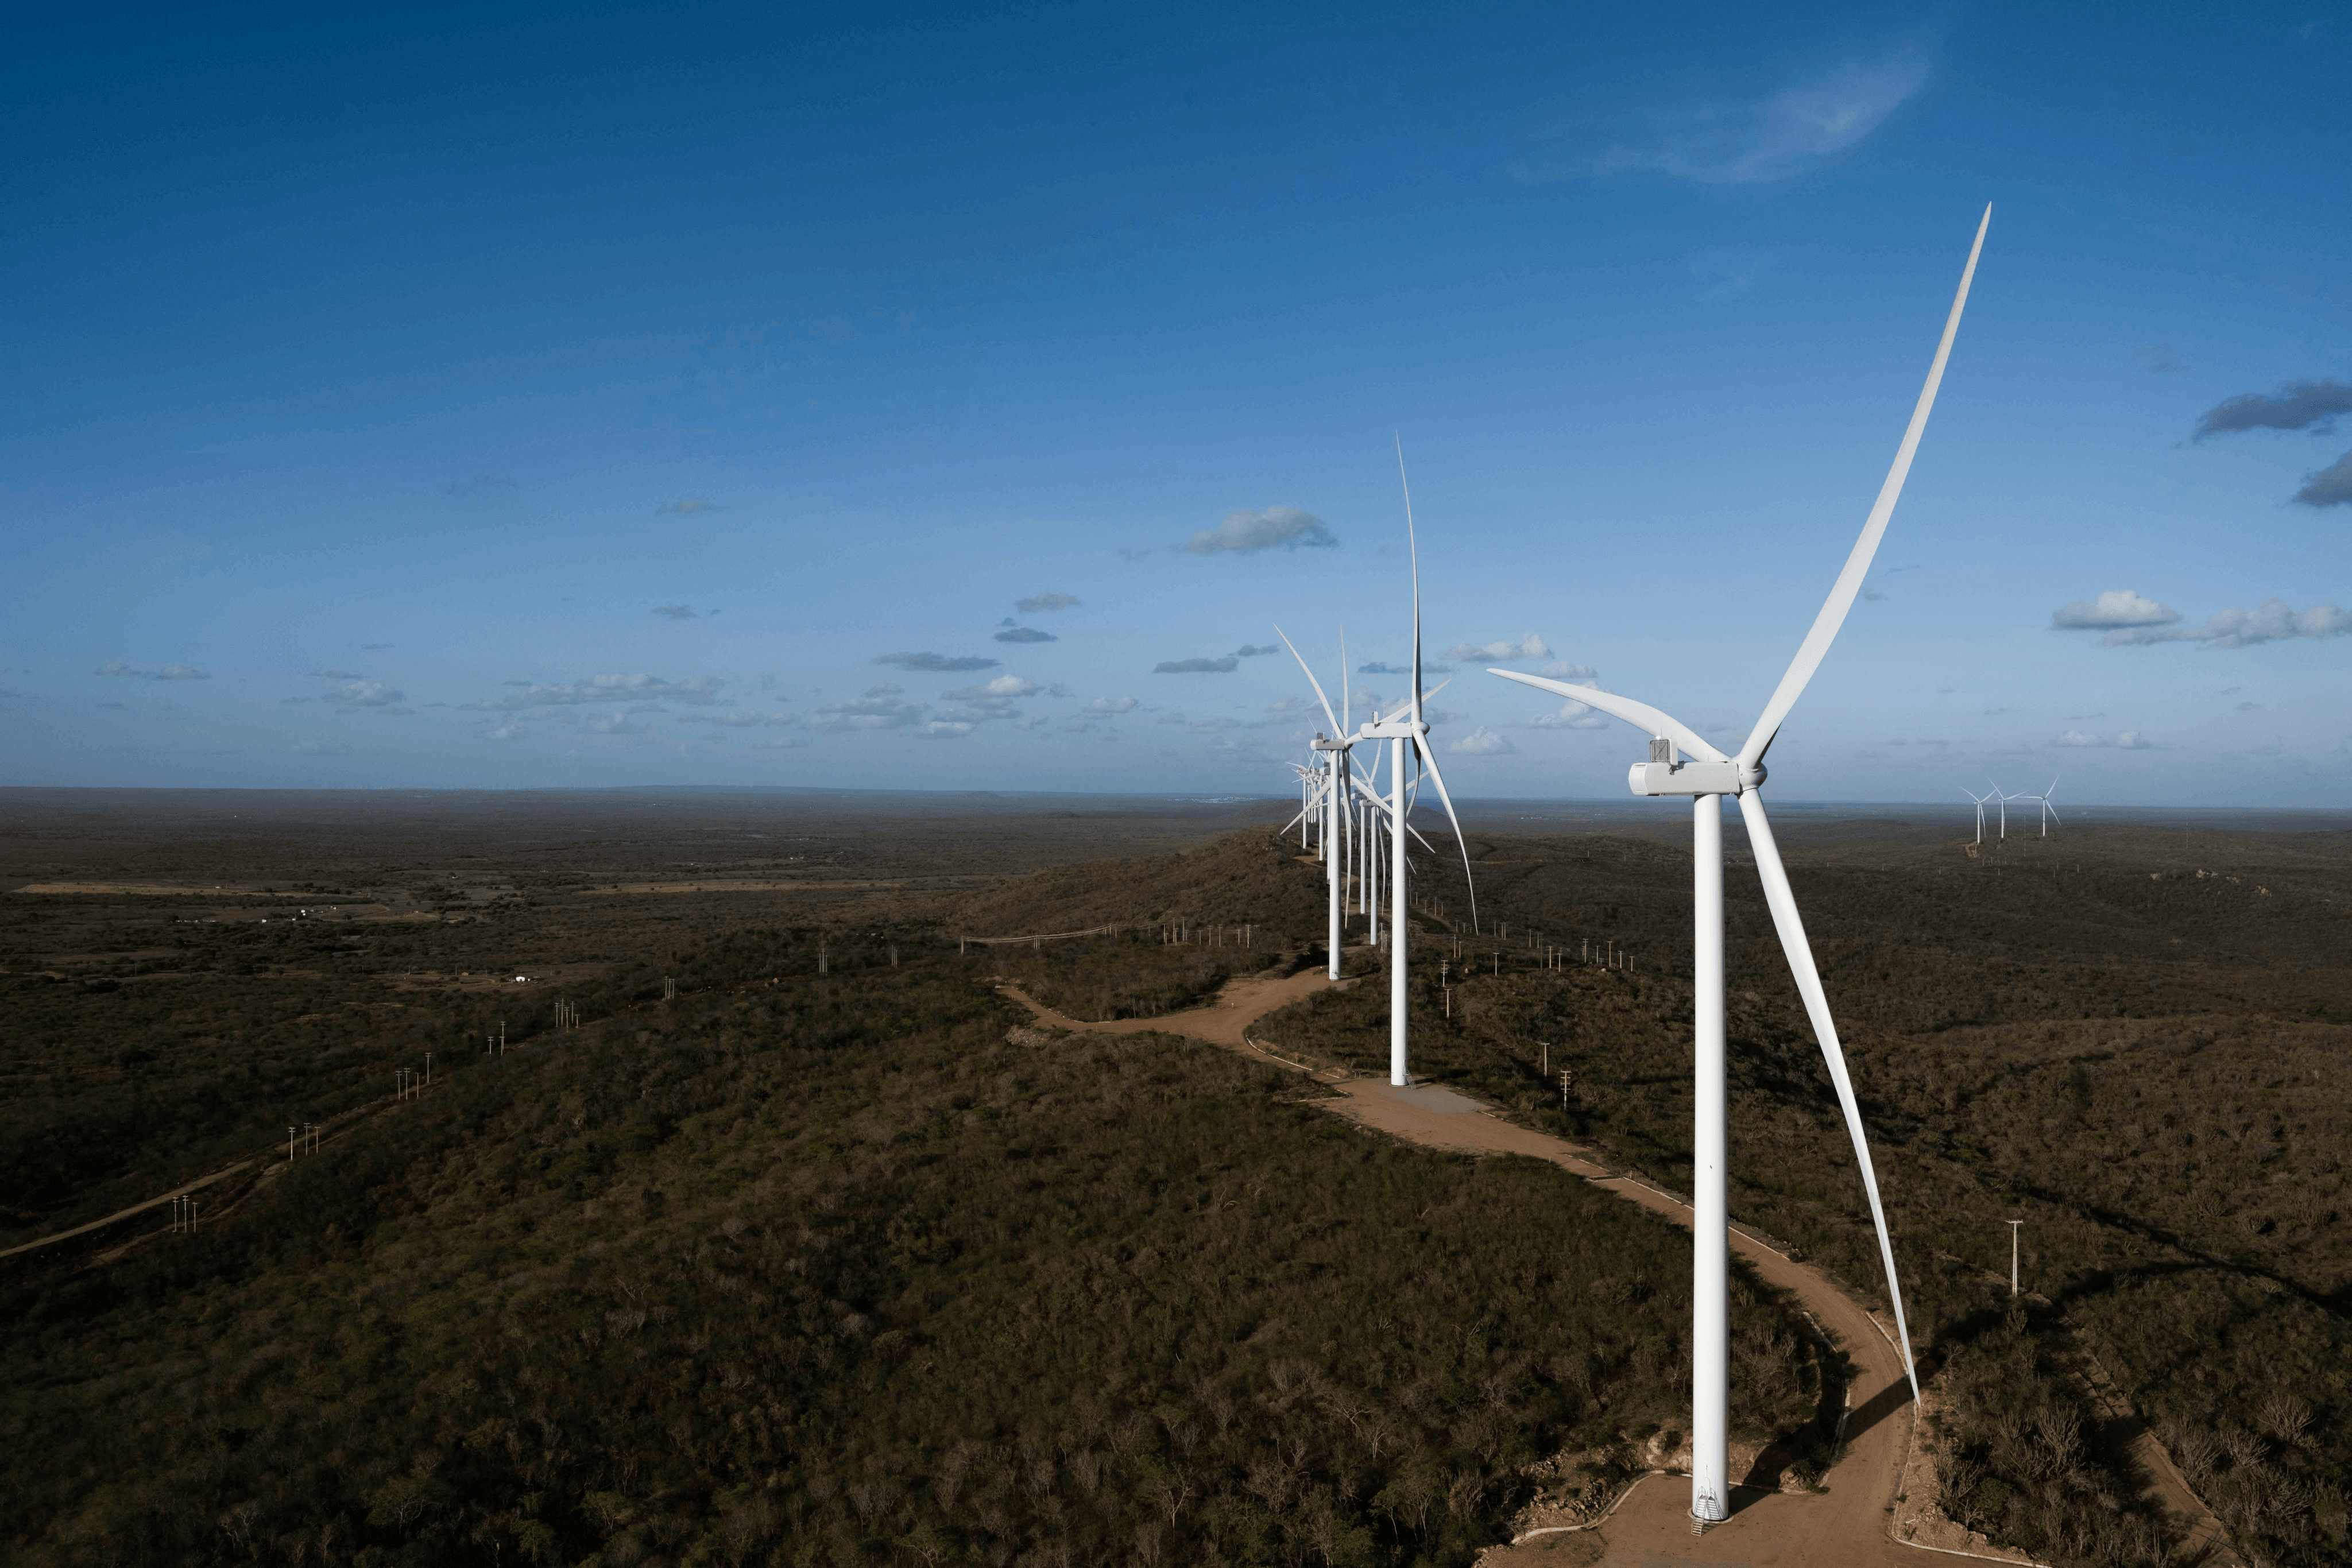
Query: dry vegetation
{"points": [[818, 1268]]}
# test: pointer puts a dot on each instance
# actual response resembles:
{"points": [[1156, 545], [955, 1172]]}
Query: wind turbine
{"points": [[1337, 805], [1404, 729], [2005, 799], [1706, 780], [2049, 812], [1981, 800]]}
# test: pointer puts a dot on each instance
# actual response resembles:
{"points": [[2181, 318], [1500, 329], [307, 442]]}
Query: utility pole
{"points": [[2012, 1224]]}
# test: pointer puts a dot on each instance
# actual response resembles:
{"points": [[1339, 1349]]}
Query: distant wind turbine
{"points": [[1706, 780], [1981, 800]]}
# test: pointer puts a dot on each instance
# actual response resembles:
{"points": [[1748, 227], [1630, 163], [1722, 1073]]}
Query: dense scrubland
{"points": [[817, 1267], [2128, 1039], [827, 1268]]}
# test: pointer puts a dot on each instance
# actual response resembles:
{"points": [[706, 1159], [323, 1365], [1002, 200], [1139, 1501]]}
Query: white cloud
{"points": [[949, 729], [1755, 143], [2116, 607], [1528, 647], [613, 724], [881, 707], [1246, 533], [2127, 740], [1111, 705], [510, 730], [1562, 670], [701, 691], [1484, 742], [742, 718], [366, 694], [2272, 621]]}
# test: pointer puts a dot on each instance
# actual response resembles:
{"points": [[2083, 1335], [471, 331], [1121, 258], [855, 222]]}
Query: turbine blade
{"points": [[1640, 714], [1791, 927], [1335, 727], [1816, 645], [1437, 777], [1413, 546]]}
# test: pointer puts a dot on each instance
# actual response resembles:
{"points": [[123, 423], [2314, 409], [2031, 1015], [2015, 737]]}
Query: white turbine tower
{"points": [[1338, 801], [1402, 730], [2004, 800], [1981, 800], [1706, 780], [2049, 812]]}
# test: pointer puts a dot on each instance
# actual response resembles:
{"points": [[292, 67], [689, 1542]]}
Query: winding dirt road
{"points": [[1849, 1524]]}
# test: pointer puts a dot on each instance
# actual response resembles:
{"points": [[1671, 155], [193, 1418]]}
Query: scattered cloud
{"points": [[1111, 705], [2296, 405], [992, 700], [1131, 553], [613, 724], [1377, 668], [1246, 533], [1038, 603], [1528, 647], [510, 730], [1077, 726], [675, 612], [2128, 740], [1572, 715], [117, 668], [1196, 666], [937, 663], [1253, 650], [2331, 486], [949, 729], [881, 707], [699, 691], [366, 694], [1484, 742], [372, 647], [1756, 143], [687, 506], [2272, 621], [1562, 670], [2118, 607], [742, 718], [1026, 634], [2161, 359], [480, 484]]}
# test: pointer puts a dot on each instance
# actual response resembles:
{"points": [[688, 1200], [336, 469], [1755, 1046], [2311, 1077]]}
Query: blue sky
{"points": [[697, 395]]}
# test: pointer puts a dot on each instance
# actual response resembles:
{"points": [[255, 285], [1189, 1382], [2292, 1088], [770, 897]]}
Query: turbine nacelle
{"points": [[1689, 775]]}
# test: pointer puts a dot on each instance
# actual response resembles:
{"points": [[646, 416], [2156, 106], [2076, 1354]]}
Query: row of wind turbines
{"points": [[1995, 798], [1360, 829]]}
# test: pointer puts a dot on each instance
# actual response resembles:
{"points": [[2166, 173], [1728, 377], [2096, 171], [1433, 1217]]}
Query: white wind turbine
{"points": [[1406, 728], [1337, 808], [1706, 780], [1981, 800], [2004, 800], [2049, 812]]}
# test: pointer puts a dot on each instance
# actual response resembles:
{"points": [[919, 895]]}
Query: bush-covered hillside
{"points": [[823, 1269]]}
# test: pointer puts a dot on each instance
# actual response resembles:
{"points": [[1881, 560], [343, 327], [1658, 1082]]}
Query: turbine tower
{"points": [[1706, 775], [1406, 731], [1981, 800], [1338, 801], [2049, 812]]}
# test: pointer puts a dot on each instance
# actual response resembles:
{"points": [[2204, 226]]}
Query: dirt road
{"points": [[1845, 1526]]}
